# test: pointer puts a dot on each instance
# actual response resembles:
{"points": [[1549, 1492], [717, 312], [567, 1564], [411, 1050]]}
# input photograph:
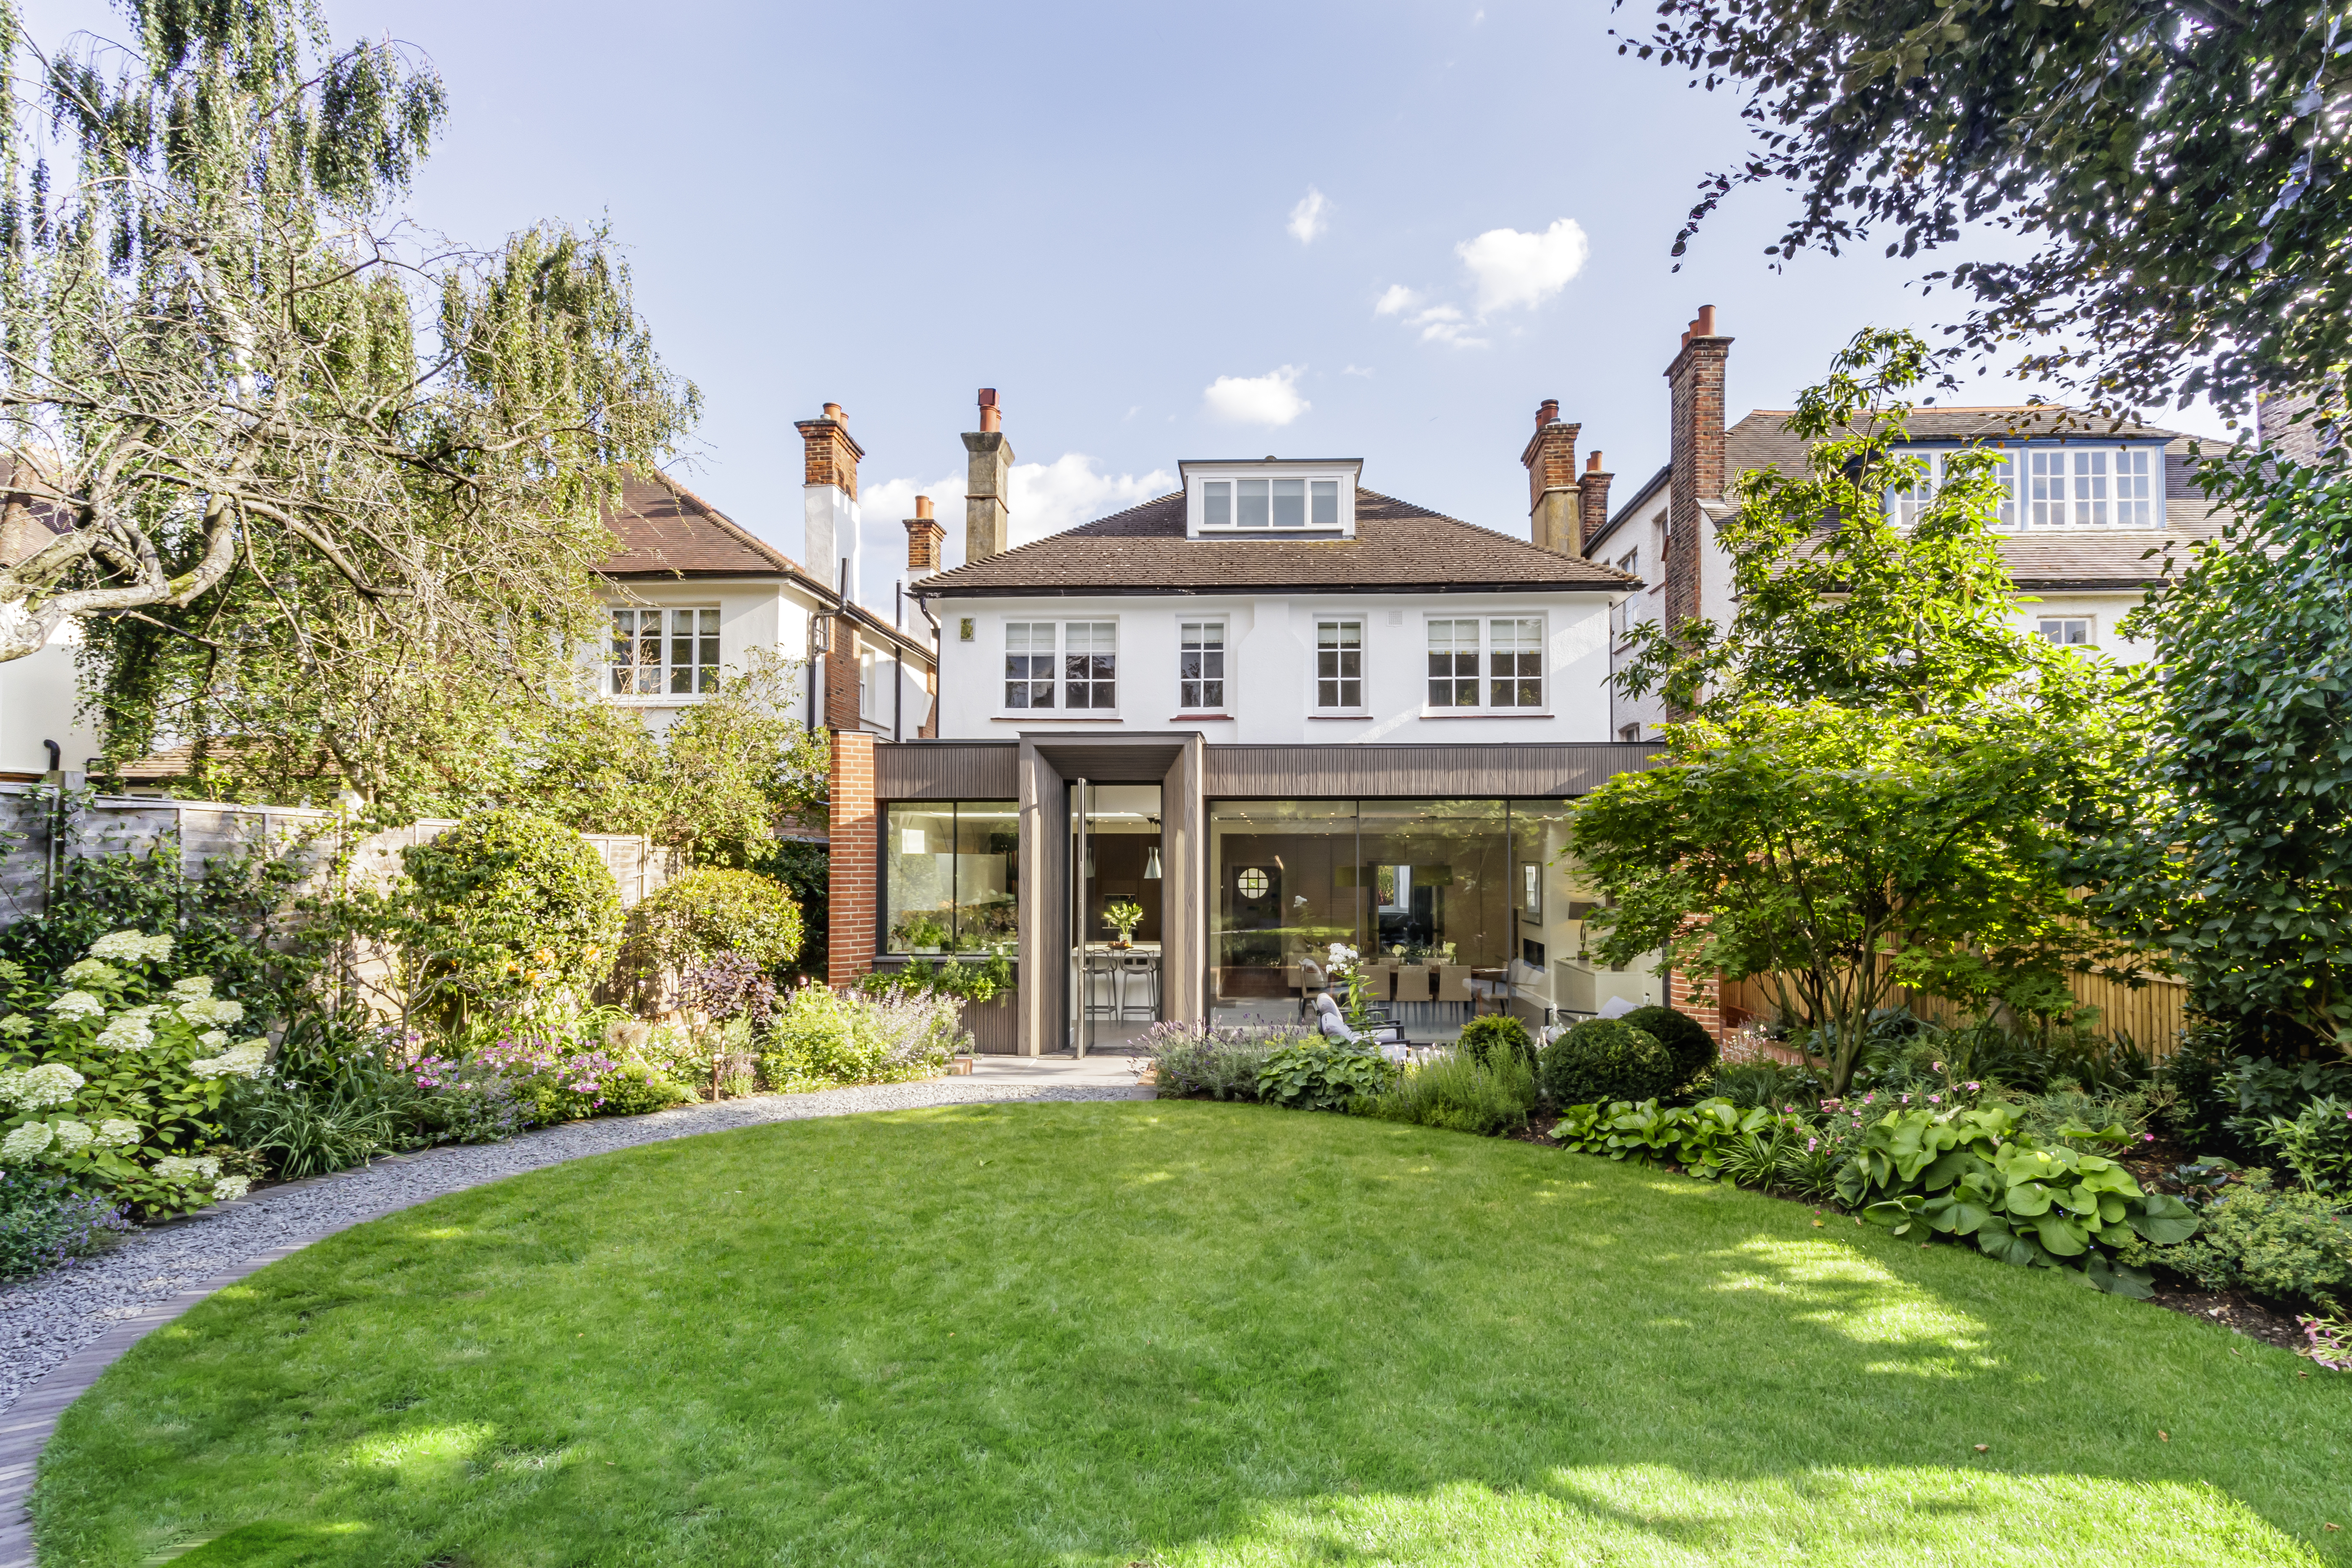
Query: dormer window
{"points": [[1273, 499], [2056, 485]]}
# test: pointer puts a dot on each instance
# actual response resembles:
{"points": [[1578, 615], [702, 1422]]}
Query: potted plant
{"points": [[1123, 915]]}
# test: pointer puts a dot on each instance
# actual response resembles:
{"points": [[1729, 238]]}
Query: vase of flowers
{"points": [[1123, 915]]}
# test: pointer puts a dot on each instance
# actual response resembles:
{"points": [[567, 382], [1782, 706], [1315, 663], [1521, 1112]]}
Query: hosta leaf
{"points": [[2165, 1219], [2061, 1235]]}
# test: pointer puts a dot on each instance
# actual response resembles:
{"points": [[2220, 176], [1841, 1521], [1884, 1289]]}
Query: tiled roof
{"points": [[667, 531], [1398, 547]]}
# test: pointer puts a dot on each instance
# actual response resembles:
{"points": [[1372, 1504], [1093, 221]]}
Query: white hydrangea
{"points": [[132, 945], [230, 1188], [127, 1033], [90, 972], [72, 1136], [78, 1005], [213, 1039], [26, 1143], [51, 1083], [243, 1060], [16, 1026], [116, 1133], [210, 1010], [195, 988], [177, 1167]]}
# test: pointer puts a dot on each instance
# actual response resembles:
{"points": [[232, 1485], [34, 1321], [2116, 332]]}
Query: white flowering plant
{"points": [[115, 1073]]}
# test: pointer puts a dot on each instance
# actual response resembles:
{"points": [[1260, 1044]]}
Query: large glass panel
{"points": [[1441, 878], [1290, 503], [1282, 888], [1327, 504], [951, 875], [918, 850], [1253, 502]]}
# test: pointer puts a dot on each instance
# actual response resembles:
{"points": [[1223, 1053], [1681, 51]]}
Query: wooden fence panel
{"points": [[2151, 1015]]}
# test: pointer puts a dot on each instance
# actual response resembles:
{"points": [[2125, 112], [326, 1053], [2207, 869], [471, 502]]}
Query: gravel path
{"points": [[43, 1322]]}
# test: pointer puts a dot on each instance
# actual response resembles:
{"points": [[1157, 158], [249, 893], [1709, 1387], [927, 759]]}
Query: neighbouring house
{"points": [[692, 596], [42, 726], [2089, 500], [1183, 749]]}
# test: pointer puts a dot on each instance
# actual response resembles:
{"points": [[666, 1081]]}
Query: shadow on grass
{"points": [[1181, 1334]]}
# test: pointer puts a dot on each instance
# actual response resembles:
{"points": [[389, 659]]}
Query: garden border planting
{"points": [[64, 1329]]}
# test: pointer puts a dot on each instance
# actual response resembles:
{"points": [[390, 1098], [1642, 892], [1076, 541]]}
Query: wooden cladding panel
{"points": [[1444, 773], [946, 769]]}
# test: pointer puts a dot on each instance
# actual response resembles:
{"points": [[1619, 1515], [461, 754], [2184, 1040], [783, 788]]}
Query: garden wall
{"points": [[32, 850]]}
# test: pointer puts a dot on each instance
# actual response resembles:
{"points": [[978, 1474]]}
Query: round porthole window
{"points": [[1252, 883]]}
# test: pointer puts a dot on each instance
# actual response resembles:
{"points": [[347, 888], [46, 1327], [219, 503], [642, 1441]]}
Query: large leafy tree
{"points": [[2181, 166], [2239, 853], [1880, 778], [325, 491]]}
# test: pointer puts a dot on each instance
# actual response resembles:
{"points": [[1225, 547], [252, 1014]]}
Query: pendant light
{"points": [[1151, 863]]}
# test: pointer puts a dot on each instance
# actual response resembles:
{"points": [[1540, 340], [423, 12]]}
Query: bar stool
{"points": [[1139, 988], [1102, 986]]}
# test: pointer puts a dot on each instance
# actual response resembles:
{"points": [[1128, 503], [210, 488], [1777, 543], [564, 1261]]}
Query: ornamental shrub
{"points": [[1462, 1092], [1602, 1061], [1481, 1037], [1323, 1076], [45, 1223], [2315, 1142], [1686, 1040], [1196, 1062], [822, 1040], [2291, 1244], [705, 913], [507, 904]]}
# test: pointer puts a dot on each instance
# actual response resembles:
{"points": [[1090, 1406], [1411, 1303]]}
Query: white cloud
{"points": [[1050, 497], [1513, 270], [1269, 399], [1363, 371], [1307, 219], [1509, 270]]}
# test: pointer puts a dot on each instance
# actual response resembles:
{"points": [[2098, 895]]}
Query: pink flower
{"points": [[1935, 1100]]}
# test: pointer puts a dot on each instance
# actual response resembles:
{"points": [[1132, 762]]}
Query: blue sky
{"points": [[1098, 210]]}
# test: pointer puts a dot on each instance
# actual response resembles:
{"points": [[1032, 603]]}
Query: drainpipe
{"points": [[56, 824]]}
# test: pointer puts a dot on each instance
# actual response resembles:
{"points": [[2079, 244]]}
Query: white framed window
{"points": [[1454, 664], [1629, 732], [664, 653], [1090, 665], [1029, 664], [1621, 614], [2094, 487], [1200, 667], [1278, 498], [1906, 503], [1339, 666], [2066, 631], [1515, 674], [1512, 678]]}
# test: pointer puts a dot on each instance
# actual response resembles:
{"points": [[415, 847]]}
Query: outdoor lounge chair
{"points": [[1388, 1038]]}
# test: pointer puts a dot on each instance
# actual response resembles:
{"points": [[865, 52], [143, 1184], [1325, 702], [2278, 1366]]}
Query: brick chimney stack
{"points": [[987, 518], [829, 498], [1592, 499], [923, 537], [1695, 384], [1550, 462]]}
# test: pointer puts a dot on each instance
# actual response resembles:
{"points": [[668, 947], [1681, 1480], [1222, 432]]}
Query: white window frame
{"points": [[663, 679], [2090, 624], [1338, 623], [1621, 614], [1194, 638], [1278, 498], [1056, 651], [1631, 733], [2055, 484], [1489, 646]]}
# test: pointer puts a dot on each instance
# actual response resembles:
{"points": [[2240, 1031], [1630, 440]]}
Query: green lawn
{"points": [[1175, 1334]]}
